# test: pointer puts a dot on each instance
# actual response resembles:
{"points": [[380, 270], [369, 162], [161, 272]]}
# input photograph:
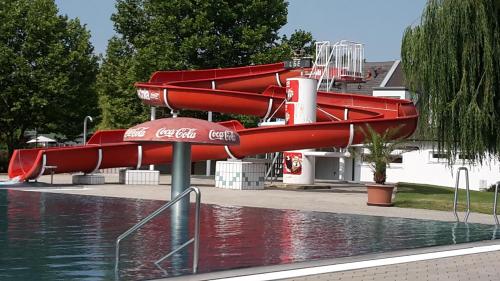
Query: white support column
{"points": [[342, 169], [153, 117], [300, 108], [209, 118], [342, 166], [209, 162]]}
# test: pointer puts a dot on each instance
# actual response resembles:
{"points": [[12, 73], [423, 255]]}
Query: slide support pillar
{"points": [[300, 107]]}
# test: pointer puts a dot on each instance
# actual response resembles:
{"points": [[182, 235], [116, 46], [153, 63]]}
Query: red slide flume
{"points": [[253, 90]]}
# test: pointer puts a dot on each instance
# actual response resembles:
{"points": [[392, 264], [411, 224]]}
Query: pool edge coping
{"points": [[273, 269]]}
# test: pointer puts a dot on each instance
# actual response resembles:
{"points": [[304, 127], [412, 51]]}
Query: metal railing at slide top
{"points": [[336, 61]]}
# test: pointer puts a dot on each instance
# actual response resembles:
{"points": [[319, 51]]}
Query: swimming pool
{"points": [[47, 236]]}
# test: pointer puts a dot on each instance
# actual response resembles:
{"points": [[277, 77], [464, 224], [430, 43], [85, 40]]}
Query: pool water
{"points": [[47, 236]]}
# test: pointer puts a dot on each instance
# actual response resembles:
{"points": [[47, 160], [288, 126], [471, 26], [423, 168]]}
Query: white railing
{"points": [[342, 61]]}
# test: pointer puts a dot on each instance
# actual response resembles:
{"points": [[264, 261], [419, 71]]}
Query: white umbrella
{"points": [[41, 139]]}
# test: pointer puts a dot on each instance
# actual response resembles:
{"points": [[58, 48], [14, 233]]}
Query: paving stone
{"points": [[474, 267]]}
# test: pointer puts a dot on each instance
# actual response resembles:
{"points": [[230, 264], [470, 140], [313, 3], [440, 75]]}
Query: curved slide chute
{"points": [[253, 90]]}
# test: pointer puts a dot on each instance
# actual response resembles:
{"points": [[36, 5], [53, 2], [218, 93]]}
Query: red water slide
{"points": [[253, 90]]}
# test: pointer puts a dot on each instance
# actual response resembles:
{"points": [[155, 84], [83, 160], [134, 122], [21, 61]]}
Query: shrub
{"points": [[492, 188], [4, 161]]}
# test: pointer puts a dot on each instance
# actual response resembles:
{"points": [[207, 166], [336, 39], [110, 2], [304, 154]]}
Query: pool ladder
{"points": [[495, 204], [455, 198], [467, 192], [195, 239]]}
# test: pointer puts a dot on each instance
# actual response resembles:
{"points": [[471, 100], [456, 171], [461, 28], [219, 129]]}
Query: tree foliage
{"points": [[120, 106], [452, 60], [186, 34], [300, 43], [47, 71]]}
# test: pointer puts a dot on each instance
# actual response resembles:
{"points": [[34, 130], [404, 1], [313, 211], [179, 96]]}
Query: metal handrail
{"points": [[195, 239], [271, 167], [455, 199], [495, 204]]}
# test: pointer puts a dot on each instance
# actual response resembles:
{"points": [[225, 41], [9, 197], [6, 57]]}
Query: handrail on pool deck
{"points": [[495, 204], [195, 239], [467, 192]]}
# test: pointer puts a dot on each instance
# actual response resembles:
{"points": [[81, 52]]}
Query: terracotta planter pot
{"points": [[380, 194]]}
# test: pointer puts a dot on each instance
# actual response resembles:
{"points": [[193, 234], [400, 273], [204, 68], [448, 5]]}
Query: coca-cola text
{"points": [[136, 132], [181, 133], [222, 135], [148, 95]]}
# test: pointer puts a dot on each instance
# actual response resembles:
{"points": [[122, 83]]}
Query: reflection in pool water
{"points": [[47, 236]]}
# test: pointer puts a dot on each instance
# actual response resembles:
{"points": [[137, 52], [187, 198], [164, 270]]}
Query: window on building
{"points": [[438, 157], [397, 159], [465, 157]]}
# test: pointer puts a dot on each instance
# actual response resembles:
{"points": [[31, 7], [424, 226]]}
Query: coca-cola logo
{"points": [[289, 93], [148, 95], [136, 132], [222, 135], [181, 133]]}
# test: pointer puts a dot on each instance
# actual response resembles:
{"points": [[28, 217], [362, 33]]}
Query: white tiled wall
{"points": [[145, 177], [88, 179], [240, 175]]}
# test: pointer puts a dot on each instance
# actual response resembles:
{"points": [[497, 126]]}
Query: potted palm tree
{"points": [[380, 147]]}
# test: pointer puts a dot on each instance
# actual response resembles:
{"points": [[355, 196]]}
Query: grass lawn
{"points": [[421, 196]]}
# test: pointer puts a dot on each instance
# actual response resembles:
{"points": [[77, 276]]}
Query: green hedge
{"points": [[4, 161]]}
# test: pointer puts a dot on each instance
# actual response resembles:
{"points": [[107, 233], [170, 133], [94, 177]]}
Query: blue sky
{"points": [[379, 24]]}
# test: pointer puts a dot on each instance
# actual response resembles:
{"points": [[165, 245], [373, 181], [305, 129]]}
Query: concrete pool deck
{"points": [[335, 198], [338, 198]]}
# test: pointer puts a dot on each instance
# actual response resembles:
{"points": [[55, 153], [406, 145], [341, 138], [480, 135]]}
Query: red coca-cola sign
{"points": [[292, 90], [292, 163], [182, 130], [151, 96]]}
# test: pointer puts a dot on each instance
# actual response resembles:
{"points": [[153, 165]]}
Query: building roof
{"points": [[375, 74], [41, 139], [396, 79]]}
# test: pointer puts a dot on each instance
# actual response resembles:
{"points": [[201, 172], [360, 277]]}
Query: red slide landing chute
{"points": [[252, 90]]}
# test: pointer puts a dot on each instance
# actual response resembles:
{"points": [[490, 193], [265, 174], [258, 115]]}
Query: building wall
{"points": [[420, 166], [392, 92], [327, 168]]}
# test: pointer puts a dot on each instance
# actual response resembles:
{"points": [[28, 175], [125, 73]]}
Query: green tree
{"points": [[300, 42], [184, 34], [121, 107], [47, 71], [452, 60]]}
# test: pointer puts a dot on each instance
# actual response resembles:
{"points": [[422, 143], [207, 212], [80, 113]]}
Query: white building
{"points": [[423, 163]]}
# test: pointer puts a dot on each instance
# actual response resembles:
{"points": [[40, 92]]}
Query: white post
{"points": [[342, 169], [153, 117], [209, 162], [300, 108]]}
